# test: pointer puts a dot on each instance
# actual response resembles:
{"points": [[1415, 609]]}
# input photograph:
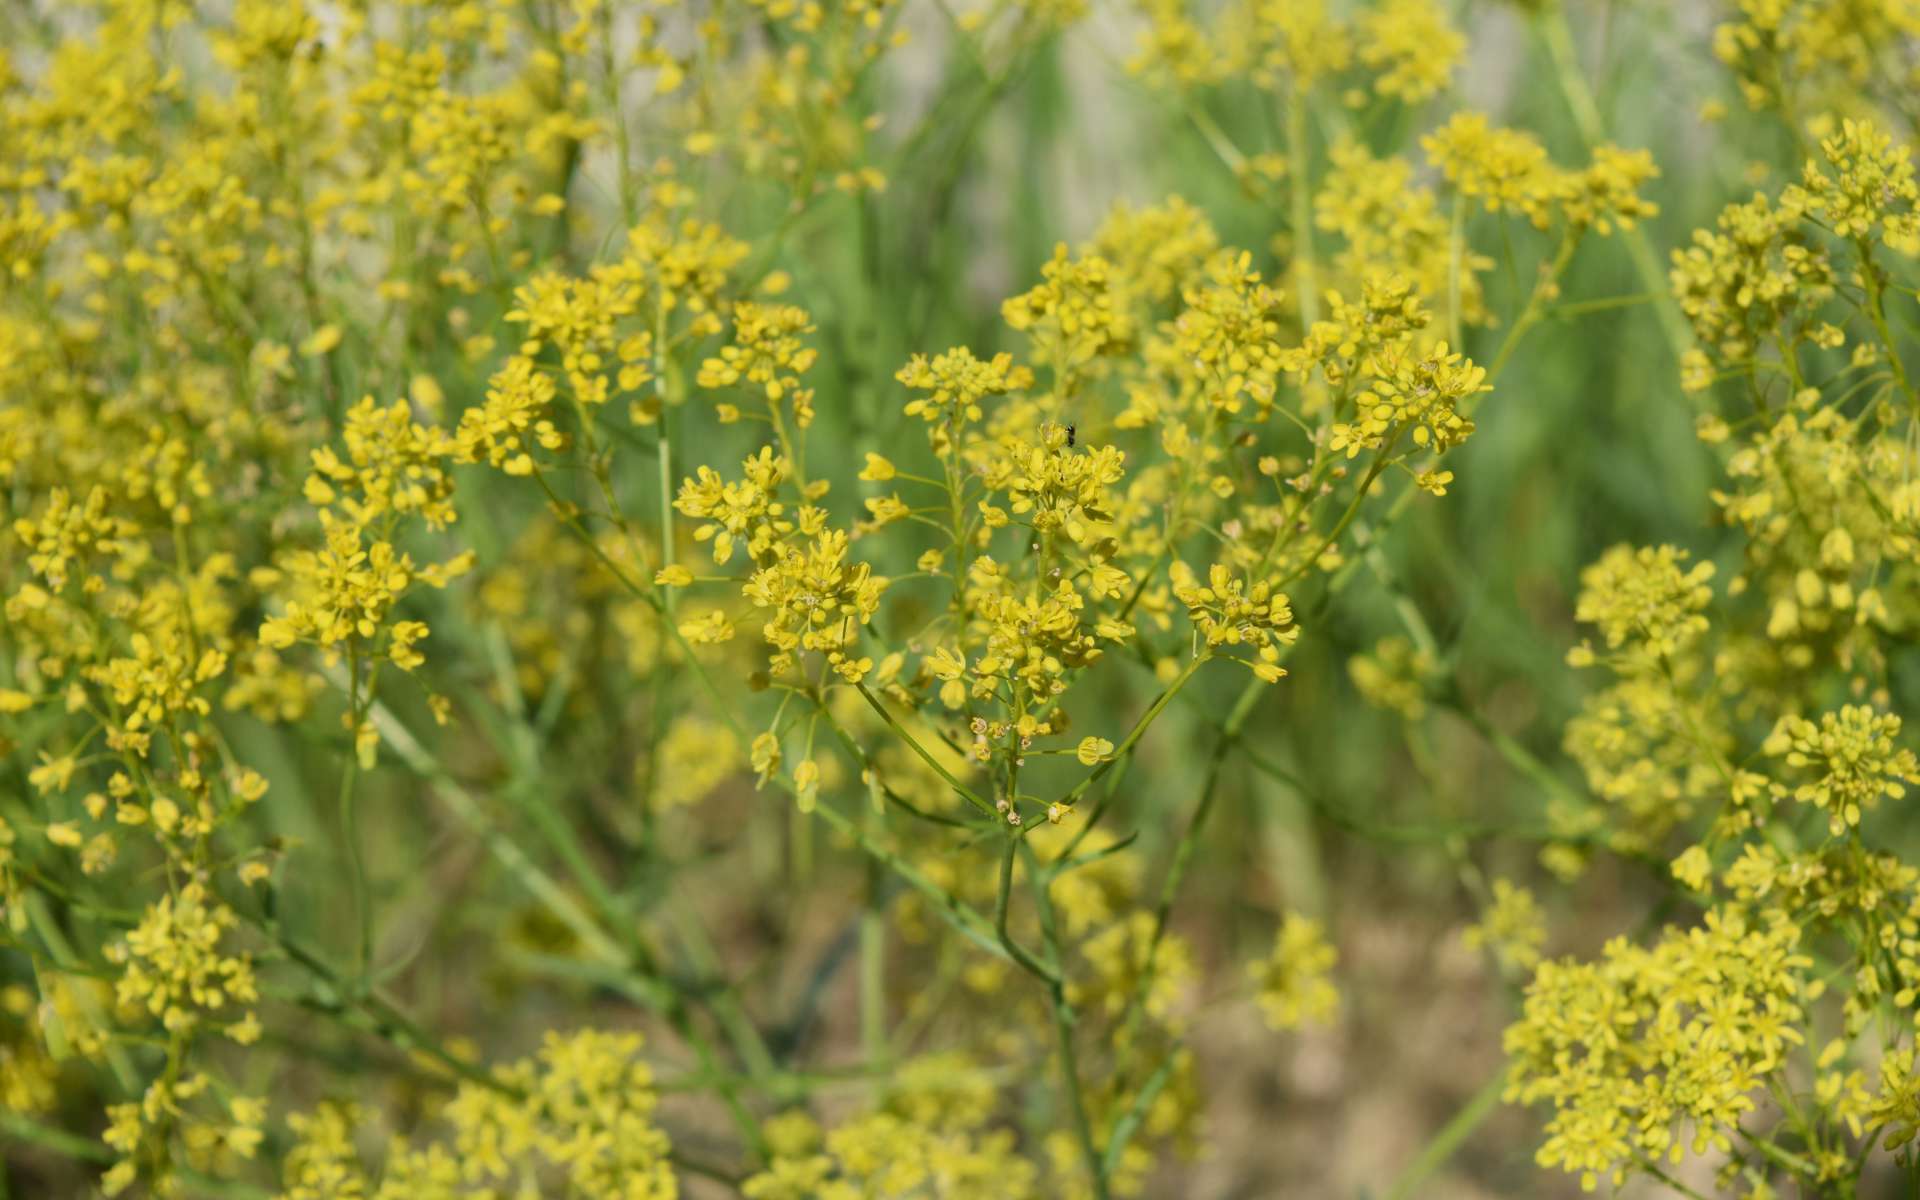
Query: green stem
{"points": [[1001, 907], [873, 947], [1593, 130], [666, 506], [1380, 460], [1147, 718], [656, 993], [41, 918], [964, 918], [724, 1002], [1876, 311], [1444, 1144], [538, 884], [1456, 258], [1300, 181], [350, 823], [1063, 1021], [386, 1020], [925, 756], [1184, 851], [47, 1137], [1535, 309]]}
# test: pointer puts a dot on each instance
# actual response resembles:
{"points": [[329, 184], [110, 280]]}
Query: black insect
{"points": [[1069, 437]]}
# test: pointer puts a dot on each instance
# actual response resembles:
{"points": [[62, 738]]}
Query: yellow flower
{"points": [[393, 464], [1071, 315], [1293, 987], [1507, 169], [1657, 1051], [1093, 750], [176, 969], [1412, 45], [1646, 599], [1855, 758], [764, 757], [819, 601], [64, 834], [512, 422], [767, 350], [749, 508], [1871, 188], [1511, 926], [695, 756], [1229, 611], [956, 383], [322, 341]]}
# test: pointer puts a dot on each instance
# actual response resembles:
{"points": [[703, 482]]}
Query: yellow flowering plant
{"points": [[638, 598]]}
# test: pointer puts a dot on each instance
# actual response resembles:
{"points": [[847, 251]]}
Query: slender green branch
{"points": [[350, 820], [1593, 130], [1129, 1122], [1001, 906], [1447, 1142], [1147, 718], [1183, 852], [1300, 188], [1877, 313], [964, 918], [47, 1137], [1063, 1021], [592, 937], [926, 756], [873, 942]]}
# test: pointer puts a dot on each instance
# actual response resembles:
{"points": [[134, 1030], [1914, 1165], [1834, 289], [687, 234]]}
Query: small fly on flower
{"points": [[1070, 431]]}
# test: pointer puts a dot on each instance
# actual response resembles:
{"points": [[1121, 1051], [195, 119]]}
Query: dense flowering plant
{"points": [[570, 630]]}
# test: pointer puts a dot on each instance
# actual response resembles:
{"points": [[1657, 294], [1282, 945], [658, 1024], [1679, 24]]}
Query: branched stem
{"points": [[1002, 904]]}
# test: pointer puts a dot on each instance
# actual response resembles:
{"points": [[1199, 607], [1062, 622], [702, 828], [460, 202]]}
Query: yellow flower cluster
{"points": [[1231, 332], [1229, 611], [766, 350], [1870, 192], [29, 1078], [1394, 675], [1799, 55], [1853, 759], [393, 465], [1718, 736], [1391, 224], [908, 1148], [176, 967], [1293, 988], [957, 383], [576, 316], [1651, 1052], [67, 535], [1512, 927], [1422, 394], [1057, 490], [820, 600], [504, 431], [1508, 170], [334, 332], [748, 511], [1646, 600], [582, 1108], [346, 591], [1759, 272], [1408, 47], [1070, 315]]}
